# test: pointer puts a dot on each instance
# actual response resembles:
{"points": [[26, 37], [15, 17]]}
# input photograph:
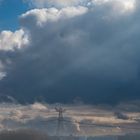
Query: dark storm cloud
{"points": [[87, 52]]}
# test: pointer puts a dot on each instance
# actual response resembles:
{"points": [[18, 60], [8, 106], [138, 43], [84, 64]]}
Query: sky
{"points": [[67, 51], [9, 12]]}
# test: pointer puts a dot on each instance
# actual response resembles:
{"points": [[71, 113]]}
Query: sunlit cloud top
{"points": [[126, 5]]}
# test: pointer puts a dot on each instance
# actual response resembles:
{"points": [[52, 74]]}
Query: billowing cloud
{"points": [[86, 50], [9, 41], [125, 5], [43, 16]]}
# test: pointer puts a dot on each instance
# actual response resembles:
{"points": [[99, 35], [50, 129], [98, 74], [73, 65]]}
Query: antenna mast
{"points": [[60, 126], [60, 111]]}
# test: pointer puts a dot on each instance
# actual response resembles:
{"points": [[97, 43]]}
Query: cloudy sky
{"points": [[80, 120], [65, 50]]}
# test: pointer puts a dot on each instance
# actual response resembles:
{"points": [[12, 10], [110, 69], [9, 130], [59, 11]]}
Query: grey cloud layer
{"points": [[91, 52], [43, 117]]}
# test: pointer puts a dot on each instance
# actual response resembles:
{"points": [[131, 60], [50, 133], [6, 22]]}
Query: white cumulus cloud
{"points": [[42, 16], [9, 41], [123, 5]]}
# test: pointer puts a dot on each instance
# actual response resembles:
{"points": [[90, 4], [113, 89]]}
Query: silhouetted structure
{"points": [[60, 126], [60, 111]]}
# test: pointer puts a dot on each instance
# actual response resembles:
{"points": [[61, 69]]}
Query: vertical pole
{"points": [[60, 126]]}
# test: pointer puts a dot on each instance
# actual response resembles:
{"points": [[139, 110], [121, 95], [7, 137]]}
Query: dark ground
{"points": [[35, 135]]}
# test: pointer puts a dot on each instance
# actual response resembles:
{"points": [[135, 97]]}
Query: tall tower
{"points": [[60, 125]]}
